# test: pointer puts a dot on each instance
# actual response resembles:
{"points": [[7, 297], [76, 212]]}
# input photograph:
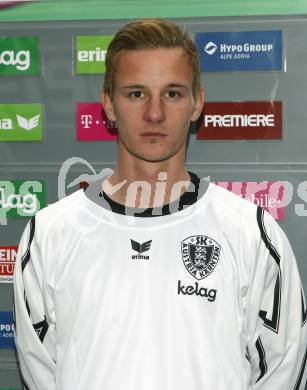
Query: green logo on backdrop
{"points": [[19, 55], [21, 122], [21, 198], [91, 53]]}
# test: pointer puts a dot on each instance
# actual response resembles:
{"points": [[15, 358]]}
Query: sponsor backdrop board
{"points": [[21, 122], [93, 124], [7, 263], [21, 10], [6, 330], [19, 55], [241, 120], [19, 198], [251, 138], [240, 51], [90, 53]]}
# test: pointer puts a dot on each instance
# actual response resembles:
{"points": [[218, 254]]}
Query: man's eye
{"points": [[136, 94], [172, 94]]}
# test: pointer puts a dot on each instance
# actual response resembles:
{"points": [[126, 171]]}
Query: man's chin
{"points": [[152, 157], [151, 153]]}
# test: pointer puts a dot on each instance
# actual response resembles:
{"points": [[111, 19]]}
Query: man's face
{"points": [[153, 102]]}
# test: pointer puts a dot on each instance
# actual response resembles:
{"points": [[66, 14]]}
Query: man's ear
{"points": [[107, 106], [198, 105]]}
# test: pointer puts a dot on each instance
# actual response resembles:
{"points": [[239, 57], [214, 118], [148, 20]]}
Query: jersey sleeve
{"points": [[34, 315], [276, 313]]}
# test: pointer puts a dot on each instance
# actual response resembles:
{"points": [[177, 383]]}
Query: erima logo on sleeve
{"points": [[140, 248]]}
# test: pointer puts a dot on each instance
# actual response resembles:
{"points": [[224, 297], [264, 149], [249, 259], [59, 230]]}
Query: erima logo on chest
{"points": [[140, 248]]}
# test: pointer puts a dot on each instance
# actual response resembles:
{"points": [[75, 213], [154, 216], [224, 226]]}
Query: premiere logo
{"points": [[7, 263], [241, 120], [21, 122], [93, 123], [19, 55], [91, 53]]}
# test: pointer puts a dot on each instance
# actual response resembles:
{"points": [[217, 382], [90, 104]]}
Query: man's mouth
{"points": [[153, 134]]}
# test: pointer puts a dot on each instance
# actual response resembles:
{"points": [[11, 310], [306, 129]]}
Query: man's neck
{"points": [[147, 184]]}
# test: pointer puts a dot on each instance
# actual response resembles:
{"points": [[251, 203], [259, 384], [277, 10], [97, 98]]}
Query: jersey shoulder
{"points": [[61, 212], [230, 202], [241, 212]]}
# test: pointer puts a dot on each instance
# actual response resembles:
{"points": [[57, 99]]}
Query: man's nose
{"points": [[154, 110]]}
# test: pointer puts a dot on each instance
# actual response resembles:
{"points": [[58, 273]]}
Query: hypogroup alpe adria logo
{"points": [[19, 55], [6, 330], [240, 50], [210, 48]]}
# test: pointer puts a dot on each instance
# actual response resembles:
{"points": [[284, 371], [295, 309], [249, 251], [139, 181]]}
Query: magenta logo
{"points": [[93, 124], [266, 194]]}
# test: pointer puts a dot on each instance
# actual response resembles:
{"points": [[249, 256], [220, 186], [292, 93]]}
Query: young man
{"points": [[153, 279]]}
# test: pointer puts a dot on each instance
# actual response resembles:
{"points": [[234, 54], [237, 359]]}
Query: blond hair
{"points": [[150, 34]]}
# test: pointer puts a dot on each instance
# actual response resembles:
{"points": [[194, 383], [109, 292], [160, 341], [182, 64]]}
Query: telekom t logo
{"points": [[93, 123], [86, 121]]}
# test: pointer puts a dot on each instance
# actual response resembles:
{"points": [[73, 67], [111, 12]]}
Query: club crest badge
{"points": [[200, 255]]}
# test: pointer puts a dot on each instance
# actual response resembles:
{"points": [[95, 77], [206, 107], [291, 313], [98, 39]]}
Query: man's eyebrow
{"points": [[139, 86], [175, 85], [133, 86]]}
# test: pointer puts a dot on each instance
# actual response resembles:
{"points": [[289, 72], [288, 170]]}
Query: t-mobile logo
{"points": [[86, 121]]}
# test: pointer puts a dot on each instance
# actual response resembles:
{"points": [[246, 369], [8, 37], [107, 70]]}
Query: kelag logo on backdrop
{"points": [[91, 53], [6, 330], [21, 122], [266, 194], [236, 51], [7, 263], [19, 55], [241, 120], [93, 124], [21, 198]]}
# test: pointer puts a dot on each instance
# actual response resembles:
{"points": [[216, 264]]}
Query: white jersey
{"points": [[206, 298]]}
